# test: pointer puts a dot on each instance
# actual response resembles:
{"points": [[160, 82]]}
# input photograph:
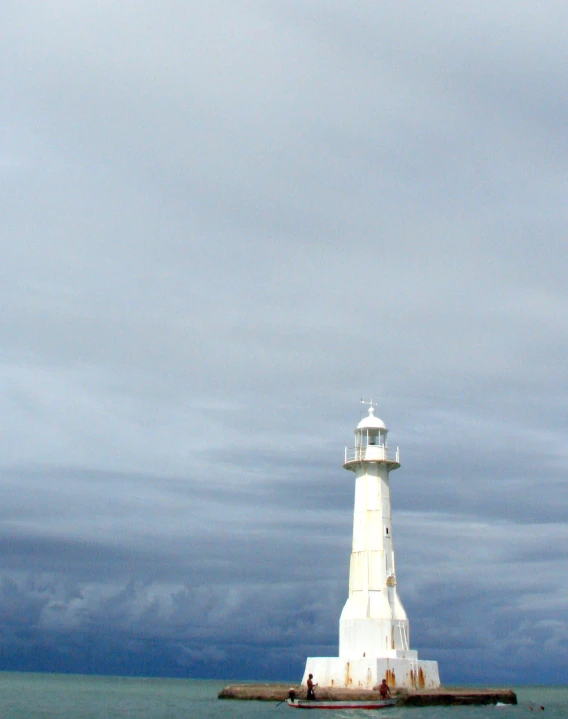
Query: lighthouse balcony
{"points": [[371, 453]]}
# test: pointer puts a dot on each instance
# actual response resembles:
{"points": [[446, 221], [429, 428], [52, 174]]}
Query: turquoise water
{"points": [[48, 696]]}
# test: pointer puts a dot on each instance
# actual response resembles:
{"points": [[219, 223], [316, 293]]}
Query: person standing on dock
{"points": [[311, 685], [384, 690]]}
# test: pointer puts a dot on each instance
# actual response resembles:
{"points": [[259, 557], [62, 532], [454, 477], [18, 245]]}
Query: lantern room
{"points": [[370, 444], [371, 431]]}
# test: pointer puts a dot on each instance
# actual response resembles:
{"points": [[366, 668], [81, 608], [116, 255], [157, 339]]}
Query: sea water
{"points": [[61, 696]]}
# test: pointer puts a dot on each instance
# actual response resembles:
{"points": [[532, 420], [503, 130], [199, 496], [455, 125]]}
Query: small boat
{"points": [[340, 703]]}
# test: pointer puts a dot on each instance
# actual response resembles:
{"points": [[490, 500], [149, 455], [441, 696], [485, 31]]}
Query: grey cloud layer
{"points": [[222, 227]]}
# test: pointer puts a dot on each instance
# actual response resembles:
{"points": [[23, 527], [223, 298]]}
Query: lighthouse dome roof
{"points": [[371, 422]]}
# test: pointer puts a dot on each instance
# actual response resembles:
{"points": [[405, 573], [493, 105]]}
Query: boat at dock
{"points": [[340, 703]]}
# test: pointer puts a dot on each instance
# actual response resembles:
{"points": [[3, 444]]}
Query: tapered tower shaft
{"points": [[373, 621]]}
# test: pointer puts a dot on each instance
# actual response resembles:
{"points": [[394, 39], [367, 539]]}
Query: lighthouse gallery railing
{"points": [[371, 453]]}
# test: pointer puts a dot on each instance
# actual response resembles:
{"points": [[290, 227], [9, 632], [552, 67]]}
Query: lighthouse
{"points": [[374, 635]]}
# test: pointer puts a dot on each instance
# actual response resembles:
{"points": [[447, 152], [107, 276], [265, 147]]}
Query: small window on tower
{"points": [[386, 530]]}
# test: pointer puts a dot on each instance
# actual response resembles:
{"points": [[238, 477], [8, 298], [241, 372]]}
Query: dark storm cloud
{"points": [[222, 227]]}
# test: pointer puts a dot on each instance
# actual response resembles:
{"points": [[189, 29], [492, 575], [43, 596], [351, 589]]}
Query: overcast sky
{"points": [[223, 224]]}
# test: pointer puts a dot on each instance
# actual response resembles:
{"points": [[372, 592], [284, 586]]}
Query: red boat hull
{"points": [[338, 704]]}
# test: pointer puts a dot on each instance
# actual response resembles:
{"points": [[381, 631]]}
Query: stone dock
{"points": [[445, 696]]}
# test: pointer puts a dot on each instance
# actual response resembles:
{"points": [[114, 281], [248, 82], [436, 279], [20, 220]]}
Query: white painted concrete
{"points": [[368, 673], [374, 633]]}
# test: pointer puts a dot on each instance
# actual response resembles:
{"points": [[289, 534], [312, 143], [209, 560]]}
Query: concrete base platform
{"points": [[451, 696], [368, 672]]}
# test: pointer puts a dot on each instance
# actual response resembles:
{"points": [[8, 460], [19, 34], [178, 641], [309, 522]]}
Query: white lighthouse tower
{"points": [[374, 638]]}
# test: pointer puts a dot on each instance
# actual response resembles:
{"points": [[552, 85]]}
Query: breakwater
{"points": [[444, 696]]}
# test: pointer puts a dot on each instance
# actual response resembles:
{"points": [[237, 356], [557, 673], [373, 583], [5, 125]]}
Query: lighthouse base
{"points": [[367, 673]]}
